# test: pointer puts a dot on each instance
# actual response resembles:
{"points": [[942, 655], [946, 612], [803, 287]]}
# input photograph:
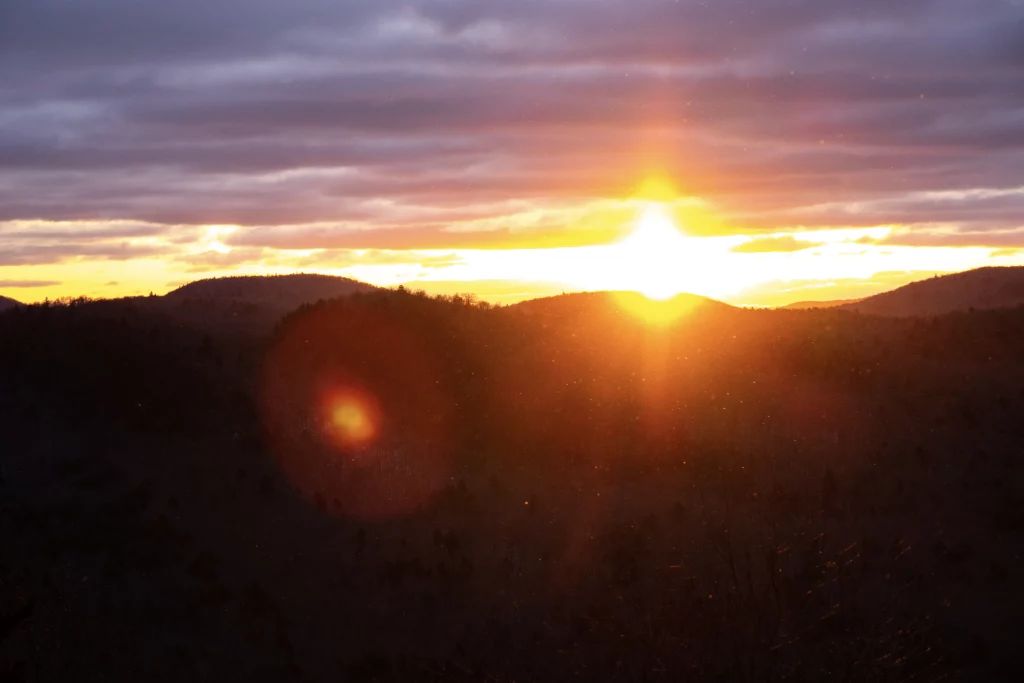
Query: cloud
{"points": [[146, 120], [342, 258], [927, 236], [428, 237], [26, 284], [773, 244], [36, 242], [81, 231], [56, 253], [216, 260]]}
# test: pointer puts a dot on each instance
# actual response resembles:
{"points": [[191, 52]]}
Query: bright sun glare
{"points": [[652, 254]]}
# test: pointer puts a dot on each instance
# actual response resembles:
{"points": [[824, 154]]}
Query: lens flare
{"points": [[352, 418], [355, 410]]}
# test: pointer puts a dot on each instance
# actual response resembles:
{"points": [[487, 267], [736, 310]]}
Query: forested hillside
{"points": [[537, 493], [982, 288], [6, 303]]}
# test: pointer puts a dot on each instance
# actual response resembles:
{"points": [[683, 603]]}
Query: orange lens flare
{"points": [[352, 418], [354, 410]]}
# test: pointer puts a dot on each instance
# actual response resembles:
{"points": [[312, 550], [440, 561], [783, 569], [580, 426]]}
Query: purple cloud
{"points": [[411, 118]]}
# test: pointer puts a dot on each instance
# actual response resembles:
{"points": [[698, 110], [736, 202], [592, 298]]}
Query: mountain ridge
{"points": [[572, 300], [293, 289], [8, 303], [803, 305], [982, 288]]}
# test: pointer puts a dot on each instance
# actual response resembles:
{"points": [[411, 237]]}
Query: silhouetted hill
{"points": [[6, 303], [983, 288], [801, 305], [283, 291], [250, 305], [583, 304]]}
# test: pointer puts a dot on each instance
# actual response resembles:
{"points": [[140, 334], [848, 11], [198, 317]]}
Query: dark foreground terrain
{"points": [[555, 491]]}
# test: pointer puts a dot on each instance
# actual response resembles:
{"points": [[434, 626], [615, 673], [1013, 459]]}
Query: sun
{"points": [[652, 253]]}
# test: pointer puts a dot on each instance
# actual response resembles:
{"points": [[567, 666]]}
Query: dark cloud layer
{"points": [[413, 117]]}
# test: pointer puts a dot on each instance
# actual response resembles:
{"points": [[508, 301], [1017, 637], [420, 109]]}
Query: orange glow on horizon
{"points": [[654, 240], [657, 312]]}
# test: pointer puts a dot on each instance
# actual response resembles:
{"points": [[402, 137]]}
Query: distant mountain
{"points": [[582, 303], [820, 304], [249, 305], [981, 288], [6, 303], [287, 291], [594, 315]]}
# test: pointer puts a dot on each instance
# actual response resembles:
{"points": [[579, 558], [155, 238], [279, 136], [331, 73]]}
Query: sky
{"points": [[782, 149]]}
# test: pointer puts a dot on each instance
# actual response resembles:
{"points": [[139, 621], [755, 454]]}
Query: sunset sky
{"points": [[768, 151]]}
